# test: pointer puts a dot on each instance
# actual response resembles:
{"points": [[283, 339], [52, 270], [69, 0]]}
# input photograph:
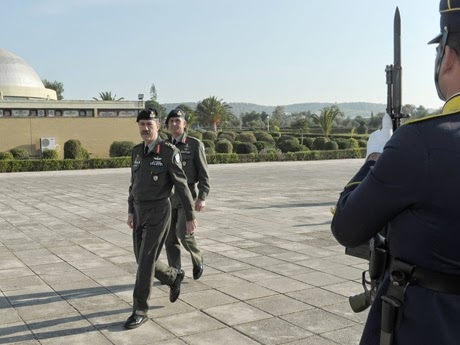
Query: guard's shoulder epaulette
{"points": [[430, 117]]}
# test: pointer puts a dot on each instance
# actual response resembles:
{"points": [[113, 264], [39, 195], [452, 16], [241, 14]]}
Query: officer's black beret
{"points": [[147, 114], [450, 18], [175, 113]]}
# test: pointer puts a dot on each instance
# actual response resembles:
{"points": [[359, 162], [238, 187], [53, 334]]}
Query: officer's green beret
{"points": [[450, 18], [147, 114], [175, 113]]}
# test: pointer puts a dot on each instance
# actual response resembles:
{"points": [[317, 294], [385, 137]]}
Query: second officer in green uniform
{"points": [[196, 168]]}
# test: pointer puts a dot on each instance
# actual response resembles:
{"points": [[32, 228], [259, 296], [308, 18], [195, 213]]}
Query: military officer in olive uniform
{"points": [[196, 168], [156, 168], [411, 186]]}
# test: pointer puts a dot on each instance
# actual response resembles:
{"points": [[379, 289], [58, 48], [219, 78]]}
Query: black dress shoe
{"points": [[198, 270], [135, 321], [174, 292]]}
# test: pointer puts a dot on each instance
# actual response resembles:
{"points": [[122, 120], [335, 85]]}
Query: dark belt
{"points": [[431, 280]]}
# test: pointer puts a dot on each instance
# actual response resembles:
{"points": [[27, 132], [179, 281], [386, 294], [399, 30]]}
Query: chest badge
{"points": [[155, 178]]}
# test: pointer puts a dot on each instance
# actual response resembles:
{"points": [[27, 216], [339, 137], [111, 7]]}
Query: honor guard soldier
{"points": [[196, 168], [156, 167], [410, 186]]}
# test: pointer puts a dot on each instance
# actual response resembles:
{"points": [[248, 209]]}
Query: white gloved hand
{"points": [[379, 138]]}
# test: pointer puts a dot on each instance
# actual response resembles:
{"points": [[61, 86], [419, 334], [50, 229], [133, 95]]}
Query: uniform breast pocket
{"points": [[157, 172]]}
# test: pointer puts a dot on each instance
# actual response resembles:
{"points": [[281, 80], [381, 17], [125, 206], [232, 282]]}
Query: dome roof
{"points": [[19, 80]]}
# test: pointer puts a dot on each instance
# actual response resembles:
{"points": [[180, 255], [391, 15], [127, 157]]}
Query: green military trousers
{"points": [[151, 225], [176, 232]]}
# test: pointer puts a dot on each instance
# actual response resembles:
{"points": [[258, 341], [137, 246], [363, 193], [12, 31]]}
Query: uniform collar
{"points": [[181, 138], [152, 145], [452, 105]]}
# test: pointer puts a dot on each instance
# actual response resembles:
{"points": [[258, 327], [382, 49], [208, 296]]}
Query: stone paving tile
{"points": [[245, 291], [224, 336], [283, 284], [189, 323], [206, 298], [279, 305], [16, 333], [317, 297], [318, 321], [256, 274], [171, 342], [149, 333], [93, 338], [314, 340], [236, 313], [273, 331], [350, 335], [318, 278]]}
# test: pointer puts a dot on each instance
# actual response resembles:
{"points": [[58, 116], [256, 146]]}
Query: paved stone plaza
{"points": [[273, 272]]}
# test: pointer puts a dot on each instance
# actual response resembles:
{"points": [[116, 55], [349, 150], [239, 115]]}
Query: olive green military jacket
{"points": [[154, 175], [194, 165]]}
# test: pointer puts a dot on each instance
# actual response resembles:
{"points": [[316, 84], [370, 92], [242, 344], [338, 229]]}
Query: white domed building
{"points": [[31, 115], [19, 81]]}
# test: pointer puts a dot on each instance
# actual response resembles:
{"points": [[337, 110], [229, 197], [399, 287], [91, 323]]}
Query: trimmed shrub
{"points": [[362, 143], [263, 145], [289, 145], [209, 143], [362, 128], [285, 138], [230, 136], [308, 142], [50, 154], [264, 136], [163, 134], [242, 148], [353, 144], [331, 145], [195, 134], [342, 143], [6, 156], [246, 137], [20, 153], [210, 135], [319, 143], [121, 148], [224, 146], [72, 149], [275, 135], [209, 150]]}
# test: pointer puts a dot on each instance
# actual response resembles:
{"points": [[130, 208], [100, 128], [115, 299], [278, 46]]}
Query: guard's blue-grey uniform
{"points": [[414, 187]]}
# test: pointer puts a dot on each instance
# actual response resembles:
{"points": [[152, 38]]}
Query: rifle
{"points": [[375, 251]]}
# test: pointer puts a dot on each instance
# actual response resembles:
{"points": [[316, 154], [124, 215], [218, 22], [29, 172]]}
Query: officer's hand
{"points": [[379, 138], [191, 226], [130, 220], [199, 205]]}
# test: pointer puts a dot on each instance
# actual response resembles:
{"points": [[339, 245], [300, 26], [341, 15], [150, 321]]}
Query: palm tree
{"points": [[326, 118], [107, 96], [213, 111]]}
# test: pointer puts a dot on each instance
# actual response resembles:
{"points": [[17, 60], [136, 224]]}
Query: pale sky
{"points": [[268, 52]]}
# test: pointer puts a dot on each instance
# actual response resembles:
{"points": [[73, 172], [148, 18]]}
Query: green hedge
{"points": [[218, 158]]}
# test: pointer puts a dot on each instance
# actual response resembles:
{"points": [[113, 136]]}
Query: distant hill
{"points": [[350, 109]]}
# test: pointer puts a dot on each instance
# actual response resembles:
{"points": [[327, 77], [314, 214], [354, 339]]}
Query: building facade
{"points": [[31, 115]]}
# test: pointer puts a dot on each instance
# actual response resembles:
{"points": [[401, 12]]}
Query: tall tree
{"points": [[153, 93], [326, 118], [56, 86], [107, 96], [212, 111], [278, 116], [158, 107]]}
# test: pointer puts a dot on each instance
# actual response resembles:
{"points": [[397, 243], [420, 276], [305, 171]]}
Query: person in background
{"points": [[196, 168]]}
